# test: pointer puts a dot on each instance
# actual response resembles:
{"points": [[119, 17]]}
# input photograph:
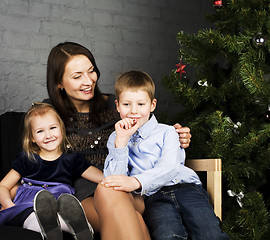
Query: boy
{"points": [[145, 157]]}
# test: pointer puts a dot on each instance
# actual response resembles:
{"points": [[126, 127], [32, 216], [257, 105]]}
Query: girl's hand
{"points": [[6, 186], [7, 205], [184, 135], [124, 129], [121, 183]]}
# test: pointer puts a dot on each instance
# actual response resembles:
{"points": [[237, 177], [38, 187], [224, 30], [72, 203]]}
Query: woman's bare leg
{"points": [[140, 207], [139, 203], [144, 227], [118, 218], [91, 214]]}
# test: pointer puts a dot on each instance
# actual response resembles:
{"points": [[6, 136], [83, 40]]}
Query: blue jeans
{"points": [[179, 211]]}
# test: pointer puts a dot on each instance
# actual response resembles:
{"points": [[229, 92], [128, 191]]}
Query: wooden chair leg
{"points": [[214, 190], [214, 180]]}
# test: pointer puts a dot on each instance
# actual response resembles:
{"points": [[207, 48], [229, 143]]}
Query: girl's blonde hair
{"points": [[135, 80], [40, 109]]}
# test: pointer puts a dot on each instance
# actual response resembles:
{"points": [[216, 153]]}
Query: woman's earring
{"points": [[61, 88]]}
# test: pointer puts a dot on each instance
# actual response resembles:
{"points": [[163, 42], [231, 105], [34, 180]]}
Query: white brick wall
{"points": [[122, 34]]}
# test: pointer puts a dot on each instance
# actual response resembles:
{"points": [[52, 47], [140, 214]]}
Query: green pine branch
{"points": [[225, 103]]}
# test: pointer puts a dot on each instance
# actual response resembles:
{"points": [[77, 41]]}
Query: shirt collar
{"points": [[145, 130]]}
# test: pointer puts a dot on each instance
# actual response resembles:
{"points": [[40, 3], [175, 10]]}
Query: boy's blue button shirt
{"points": [[153, 155]]}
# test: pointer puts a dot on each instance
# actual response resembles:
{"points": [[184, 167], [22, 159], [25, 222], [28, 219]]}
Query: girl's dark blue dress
{"points": [[55, 176]]}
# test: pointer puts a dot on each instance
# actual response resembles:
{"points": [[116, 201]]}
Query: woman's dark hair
{"points": [[57, 61]]}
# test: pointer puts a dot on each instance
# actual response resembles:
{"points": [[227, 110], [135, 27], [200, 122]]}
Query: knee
{"points": [[100, 191], [108, 198], [101, 198]]}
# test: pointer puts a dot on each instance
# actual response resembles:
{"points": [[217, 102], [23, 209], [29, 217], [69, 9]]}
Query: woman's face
{"points": [[79, 81]]}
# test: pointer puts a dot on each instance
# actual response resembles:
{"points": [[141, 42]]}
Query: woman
{"points": [[89, 116]]}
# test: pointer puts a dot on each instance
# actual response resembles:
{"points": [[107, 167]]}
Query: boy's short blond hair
{"points": [[135, 80]]}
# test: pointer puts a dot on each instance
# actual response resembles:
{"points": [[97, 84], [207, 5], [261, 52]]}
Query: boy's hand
{"points": [[184, 135], [124, 130], [121, 183]]}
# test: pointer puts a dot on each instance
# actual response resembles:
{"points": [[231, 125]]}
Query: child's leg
{"points": [[31, 223], [45, 208], [63, 225], [70, 209], [118, 217], [163, 218], [198, 215]]}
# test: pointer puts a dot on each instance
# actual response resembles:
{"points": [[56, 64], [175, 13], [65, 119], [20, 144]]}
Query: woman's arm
{"points": [[184, 135], [9, 181]]}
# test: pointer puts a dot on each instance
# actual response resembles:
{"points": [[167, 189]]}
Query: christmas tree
{"points": [[227, 102]]}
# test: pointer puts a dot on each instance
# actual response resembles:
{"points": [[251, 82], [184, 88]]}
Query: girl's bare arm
{"points": [[93, 174], [8, 182]]}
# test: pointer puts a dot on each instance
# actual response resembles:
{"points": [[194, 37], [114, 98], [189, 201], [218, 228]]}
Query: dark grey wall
{"points": [[122, 34]]}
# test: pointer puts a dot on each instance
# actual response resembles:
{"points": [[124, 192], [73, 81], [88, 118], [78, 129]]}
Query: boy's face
{"points": [[135, 105]]}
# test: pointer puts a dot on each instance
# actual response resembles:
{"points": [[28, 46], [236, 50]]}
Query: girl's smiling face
{"points": [[46, 133]]}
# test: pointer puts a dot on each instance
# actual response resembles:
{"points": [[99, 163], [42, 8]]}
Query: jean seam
{"points": [[171, 194], [200, 191], [180, 237], [174, 200]]}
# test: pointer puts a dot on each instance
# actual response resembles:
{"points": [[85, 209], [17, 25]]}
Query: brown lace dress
{"points": [[91, 141]]}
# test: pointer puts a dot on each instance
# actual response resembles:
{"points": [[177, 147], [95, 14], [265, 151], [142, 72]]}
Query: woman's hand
{"points": [[184, 135]]}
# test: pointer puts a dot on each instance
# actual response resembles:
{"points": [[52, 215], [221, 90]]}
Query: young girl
{"points": [[46, 172]]}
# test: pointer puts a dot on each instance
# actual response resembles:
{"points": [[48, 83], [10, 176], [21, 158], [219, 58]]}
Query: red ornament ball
{"points": [[217, 3]]}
